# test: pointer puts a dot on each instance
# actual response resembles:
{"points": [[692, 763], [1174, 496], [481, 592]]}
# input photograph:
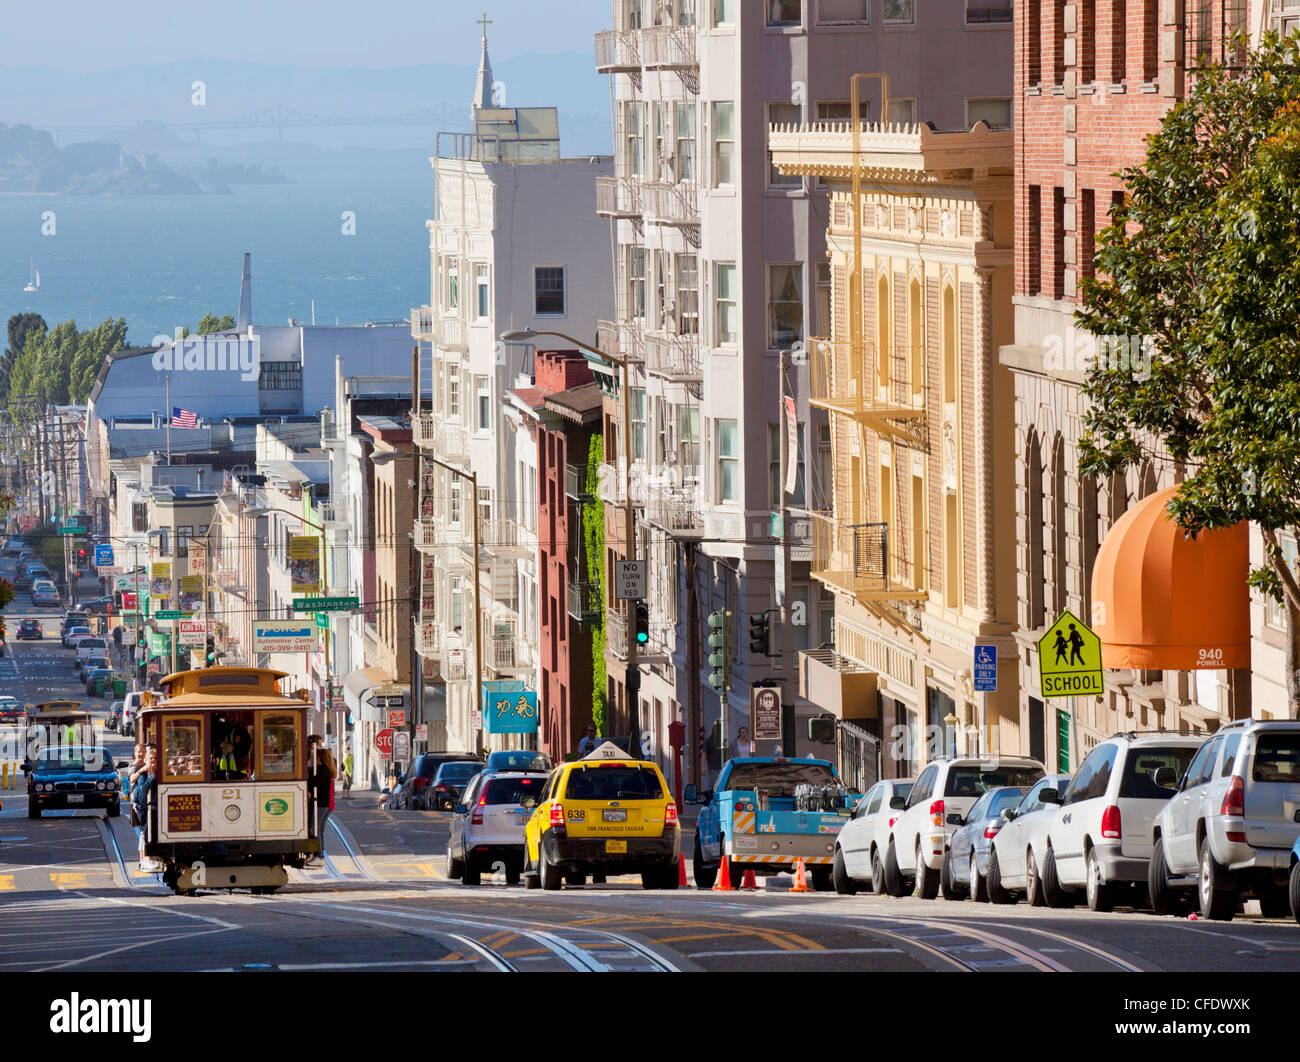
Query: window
{"points": [[1058, 243], [724, 145], [278, 742], [1150, 40], [684, 160], [637, 402], [728, 449], [482, 304], [900, 11], [840, 110], [979, 12], [785, 12], [1118, 41], [1275, 611], [842, 12], [775, 478], [1141, 765], [183, 752], [1087, 231], [923, 788], [688, 436], [785, 306], [782, 114], [995, 112], [1086, 36], [726, 320], [902, 112], [634, 279], [453, 285], [634, 139], [1094, 772], [453, 395], [280, 376], [453, 502], [1277, 758], [1230, 748], [549, 287], [687, 273], [1034, 263], [483, 393], [1033, 43], [724, 12]]}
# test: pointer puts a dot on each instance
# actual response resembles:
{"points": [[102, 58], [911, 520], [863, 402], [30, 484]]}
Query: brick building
{"points": [[1093, 79], [563, 410]]}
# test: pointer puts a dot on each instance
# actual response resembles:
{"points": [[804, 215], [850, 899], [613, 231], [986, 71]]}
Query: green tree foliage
{"points": [[20, 326], [212, 323], [593, 542], [1203, 261], [62, 364]]}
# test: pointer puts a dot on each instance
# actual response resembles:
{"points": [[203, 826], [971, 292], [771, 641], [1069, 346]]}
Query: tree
{"points": [[1201, 265], [211, 323]]}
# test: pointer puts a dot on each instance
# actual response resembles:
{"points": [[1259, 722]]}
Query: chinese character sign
{"points": [[304, 565], [510, 713]]}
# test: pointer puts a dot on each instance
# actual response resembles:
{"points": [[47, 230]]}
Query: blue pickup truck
{"points": [[766, 813]]}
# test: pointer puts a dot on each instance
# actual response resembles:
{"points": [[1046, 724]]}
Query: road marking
{"points": [[787, 954], [6, 883], [69, 880]]}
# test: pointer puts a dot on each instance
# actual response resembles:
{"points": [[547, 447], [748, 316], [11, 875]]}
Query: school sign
{"points": [[1069, 660]]}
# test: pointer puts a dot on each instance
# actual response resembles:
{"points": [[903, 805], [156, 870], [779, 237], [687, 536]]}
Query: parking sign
{"points": [[986, 669]]}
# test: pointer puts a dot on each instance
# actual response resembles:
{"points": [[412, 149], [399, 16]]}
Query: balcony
{"points": [[621, 339], [451, 333], [422, 325], [848, 382], [575, 483], [854, 560], [453, 443], [676, 510], [500, 537], [618, 197], [425, 430], [586, 603], [428, 638], [618, 52], [507, 654], [671, 204], [669, 48], [438, 534], [673, 357]]}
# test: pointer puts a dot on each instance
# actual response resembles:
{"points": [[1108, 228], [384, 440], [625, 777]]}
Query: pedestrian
{"points": [[590, 743], [347, 773], [742, 746], [144, 793], [321, 784]]}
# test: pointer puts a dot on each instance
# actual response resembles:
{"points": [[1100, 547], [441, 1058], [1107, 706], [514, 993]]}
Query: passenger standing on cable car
{"points": [[144, 796], [321, 783]]}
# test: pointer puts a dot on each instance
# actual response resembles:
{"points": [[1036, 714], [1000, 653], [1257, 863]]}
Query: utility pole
{"points": [[789, 685]]}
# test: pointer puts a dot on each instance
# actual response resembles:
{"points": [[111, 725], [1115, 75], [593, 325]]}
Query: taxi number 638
{"points": [[576, 816]]}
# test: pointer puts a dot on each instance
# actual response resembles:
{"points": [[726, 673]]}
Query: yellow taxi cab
{"points": [[605, 814]]}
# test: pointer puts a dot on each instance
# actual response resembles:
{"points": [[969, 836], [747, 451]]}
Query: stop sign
{"points": [[384, 744]]}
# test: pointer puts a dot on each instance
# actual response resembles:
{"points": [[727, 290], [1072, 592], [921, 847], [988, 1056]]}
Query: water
{"points": [[165, 261]]}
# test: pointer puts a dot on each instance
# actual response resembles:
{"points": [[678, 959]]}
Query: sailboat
{"points": [[34, 284]]}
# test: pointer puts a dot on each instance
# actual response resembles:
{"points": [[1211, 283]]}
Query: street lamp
{"points": [[632, 679]]}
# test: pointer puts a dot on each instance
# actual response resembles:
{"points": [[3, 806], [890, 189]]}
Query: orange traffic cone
{"points": [[750, 883], [681, 871], [800, 878], [723, 884]]}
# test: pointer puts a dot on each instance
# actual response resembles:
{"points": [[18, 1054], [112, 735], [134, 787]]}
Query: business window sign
{"points": [[510, 713], [291, 637], [304, 564]]}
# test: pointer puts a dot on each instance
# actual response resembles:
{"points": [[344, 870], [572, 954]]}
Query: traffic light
{"points": [[642, 627], [719, 657], [760, 634]]}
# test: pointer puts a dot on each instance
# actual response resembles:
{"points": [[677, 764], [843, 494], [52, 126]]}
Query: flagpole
{"points": [[169, 419]]}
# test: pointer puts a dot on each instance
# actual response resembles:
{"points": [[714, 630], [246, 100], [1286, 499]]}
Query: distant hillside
{"points": [[30, 162]]}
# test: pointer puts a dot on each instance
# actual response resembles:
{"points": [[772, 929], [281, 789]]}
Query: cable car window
{"points": [[232, 746], [183, 749], [279, 745]]}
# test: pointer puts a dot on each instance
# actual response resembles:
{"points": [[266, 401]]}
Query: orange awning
{"points": [[1163, 601]]}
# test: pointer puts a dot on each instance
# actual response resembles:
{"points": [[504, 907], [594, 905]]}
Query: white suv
{"points": [[1231, 822], [1100, 839], [936, 808]]}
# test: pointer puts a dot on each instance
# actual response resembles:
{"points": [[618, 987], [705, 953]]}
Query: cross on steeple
{"points": [[485, 22]]}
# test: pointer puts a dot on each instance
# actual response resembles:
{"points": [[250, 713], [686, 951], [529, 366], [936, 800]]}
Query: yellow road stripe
{"points": [[62, 880], [6, 883]]}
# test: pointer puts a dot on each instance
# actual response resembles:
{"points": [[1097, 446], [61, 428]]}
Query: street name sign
{"points": [[72, 529], [1069, 660], [172, 614], [325, 604], [630, 580]]}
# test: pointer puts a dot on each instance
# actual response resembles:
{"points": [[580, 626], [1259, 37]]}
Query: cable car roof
{"points": [[225, 687]]}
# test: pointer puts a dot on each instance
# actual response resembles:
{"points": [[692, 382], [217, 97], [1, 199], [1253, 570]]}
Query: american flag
{"points": [[183, 418]]}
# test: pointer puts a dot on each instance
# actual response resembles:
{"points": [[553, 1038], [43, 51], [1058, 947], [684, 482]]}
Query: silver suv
{"points": [[937, 807], [1231, 821]]}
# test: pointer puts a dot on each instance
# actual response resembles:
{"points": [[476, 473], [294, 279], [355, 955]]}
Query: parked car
{"points": [[487, 825], [966, 864], [130, 707], [413, 790], [99, 681], [14, 547], [1100, 837], [1233, 817], [1021, 845], [450, 782], [98, 606], [30, 629], [948, 786], [97, 661], [1295, 881], [514, 760], [114, 717], [860, 846]]}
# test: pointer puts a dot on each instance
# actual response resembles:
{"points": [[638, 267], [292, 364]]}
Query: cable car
{"points": [[47, 727], [232, 809]]}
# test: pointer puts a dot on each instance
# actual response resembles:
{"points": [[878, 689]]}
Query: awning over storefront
{"points": [[1163, 601]]}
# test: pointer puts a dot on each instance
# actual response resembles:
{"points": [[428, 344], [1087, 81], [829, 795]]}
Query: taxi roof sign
{"points": [[608, 751], [1069, 660]]}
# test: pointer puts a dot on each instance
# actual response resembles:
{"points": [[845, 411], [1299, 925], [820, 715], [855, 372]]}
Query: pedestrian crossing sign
{"points": [[1069, 660]]}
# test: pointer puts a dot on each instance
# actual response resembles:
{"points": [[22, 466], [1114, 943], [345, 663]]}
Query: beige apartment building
{"points": [[913, 545]]}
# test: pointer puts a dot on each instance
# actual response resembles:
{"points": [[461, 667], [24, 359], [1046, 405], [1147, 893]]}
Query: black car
{"points": [[413, 792], [450, 782], [29, 629], [72, 778], [98, 606]]}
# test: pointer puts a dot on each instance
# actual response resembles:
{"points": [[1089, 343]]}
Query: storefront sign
{"points": [[192, 632], [290, 636], [184, 812], [510, 713], [275, 813]]}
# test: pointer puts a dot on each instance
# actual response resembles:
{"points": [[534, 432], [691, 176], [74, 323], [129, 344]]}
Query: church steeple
{"points": [[483, 91]]}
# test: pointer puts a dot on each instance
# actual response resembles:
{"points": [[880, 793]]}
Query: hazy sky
{"points": [[91, 35]]}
